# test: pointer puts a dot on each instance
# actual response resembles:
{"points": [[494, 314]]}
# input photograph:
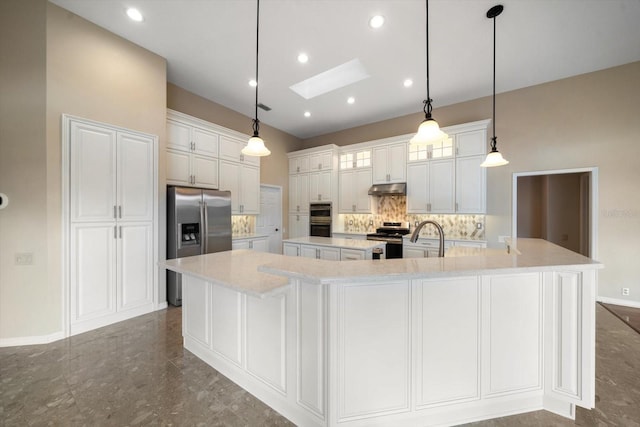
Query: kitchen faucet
{"points": [[414, 236]]}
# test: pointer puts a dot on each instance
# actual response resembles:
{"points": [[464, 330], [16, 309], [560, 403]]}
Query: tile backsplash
{"points": [[394, 208], [242, 224]]}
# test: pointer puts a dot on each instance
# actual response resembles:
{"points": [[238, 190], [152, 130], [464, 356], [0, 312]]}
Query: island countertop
{"points": [[336, 242], [263, 273]]}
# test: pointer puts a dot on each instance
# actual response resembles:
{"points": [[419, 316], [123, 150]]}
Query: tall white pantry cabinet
{"points": [[111, 224]]}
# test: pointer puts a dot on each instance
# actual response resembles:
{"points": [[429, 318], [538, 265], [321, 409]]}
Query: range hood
{"points": [[397, 189]]}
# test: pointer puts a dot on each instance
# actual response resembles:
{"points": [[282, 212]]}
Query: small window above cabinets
{"points": [[355, 159], [438, 150]]}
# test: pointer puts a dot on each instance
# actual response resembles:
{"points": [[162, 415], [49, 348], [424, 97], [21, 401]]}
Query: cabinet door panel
{"points": [[470, 185], [441, 186], [308, 251], [93, 173], [447, 366], [361, 189], [205, 142], [205, 171], [178, 167], [178, 136], [417, 187], [226, 321], [135, 261], [471, 143], [93, 271], [250, 189], [397, 162], [380, 165], [229, 181], [135, 178]]}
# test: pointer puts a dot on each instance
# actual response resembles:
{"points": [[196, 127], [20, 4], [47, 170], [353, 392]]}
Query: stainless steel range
{"points": [[391, 233]]}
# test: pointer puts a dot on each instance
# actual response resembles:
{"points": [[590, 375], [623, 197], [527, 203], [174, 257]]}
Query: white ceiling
{"points": [[210, 50]]}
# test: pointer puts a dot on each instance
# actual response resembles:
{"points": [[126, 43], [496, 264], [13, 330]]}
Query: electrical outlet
{"points": [[479, 225], [371, 222], [625, 291], [25, 258]]}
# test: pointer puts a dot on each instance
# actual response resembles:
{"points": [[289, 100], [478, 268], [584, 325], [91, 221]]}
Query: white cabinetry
{"points": [[243, 180], [423, 248], [231, 149], [320, 252], [312, 177], [192, 154], [389, 163], [470, 176], [354, 187], [443, 180], [470, 185], [298, 225], [320, 185], [299, 193], [430, 186], [111, 224], [258, 244]]}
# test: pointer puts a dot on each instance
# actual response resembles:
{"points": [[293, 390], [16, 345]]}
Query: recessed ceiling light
{"points": [[408, 83], [303, 58], [134, 14], [307, 114], [351, 100], [253, 83], [376, 21]]}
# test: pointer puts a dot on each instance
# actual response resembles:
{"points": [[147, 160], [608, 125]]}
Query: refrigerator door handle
{"points": [[204, 240]]}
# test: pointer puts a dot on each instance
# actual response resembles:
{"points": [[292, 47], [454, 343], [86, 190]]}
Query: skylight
{"points": [[330, 80]]}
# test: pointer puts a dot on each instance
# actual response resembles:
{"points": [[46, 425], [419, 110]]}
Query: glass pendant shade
{"points": [[494, 158], [255, 147], [428, 133]]}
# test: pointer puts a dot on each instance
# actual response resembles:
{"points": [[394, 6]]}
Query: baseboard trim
{"points": [[33, 340], [162, 306], [616, 301]]}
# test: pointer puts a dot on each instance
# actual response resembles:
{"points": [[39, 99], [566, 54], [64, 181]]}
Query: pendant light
{"points": [[429, 131], [255, 146], [494, 158]]}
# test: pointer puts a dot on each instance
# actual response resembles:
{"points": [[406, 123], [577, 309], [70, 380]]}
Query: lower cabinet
{"points": [[111, 273], [298, 225], [259, 244], [325, 252], [423, 248], [320, 252]]}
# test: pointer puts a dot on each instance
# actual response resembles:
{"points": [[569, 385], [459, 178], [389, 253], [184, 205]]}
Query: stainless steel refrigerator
{"points": [[198, 222]]}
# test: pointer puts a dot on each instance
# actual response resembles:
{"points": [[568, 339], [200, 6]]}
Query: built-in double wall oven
{"points": [[320, 219]]}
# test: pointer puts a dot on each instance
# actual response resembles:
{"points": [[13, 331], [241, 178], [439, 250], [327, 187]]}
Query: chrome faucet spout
{"points": [[416, 232]]}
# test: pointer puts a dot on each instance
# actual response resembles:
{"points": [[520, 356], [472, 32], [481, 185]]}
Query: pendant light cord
{"points": [[493, 140], [256, 122], [427, 102]]}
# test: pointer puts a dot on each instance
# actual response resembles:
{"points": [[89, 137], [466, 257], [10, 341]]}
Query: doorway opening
{"points": [[559, 206]]}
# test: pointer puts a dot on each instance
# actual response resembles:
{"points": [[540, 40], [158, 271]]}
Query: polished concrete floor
{"points": [[137, 373]]}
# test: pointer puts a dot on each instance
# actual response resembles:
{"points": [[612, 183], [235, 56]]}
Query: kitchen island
{"points": [[401, 342], [332, 248]]}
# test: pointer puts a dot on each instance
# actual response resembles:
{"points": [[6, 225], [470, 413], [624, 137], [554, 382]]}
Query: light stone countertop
{"points": [[248, 236], [237, 269], [261, 274], [336, 242]]}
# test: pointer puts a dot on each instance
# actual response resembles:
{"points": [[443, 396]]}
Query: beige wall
{"points": [[274, 168], [89, 73], [584, 121], [25, 291]]}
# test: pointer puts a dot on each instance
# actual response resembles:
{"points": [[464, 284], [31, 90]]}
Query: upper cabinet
{"points": [[390, 163], [203, 154], [192, 154], [231, 149], [313, 177]]}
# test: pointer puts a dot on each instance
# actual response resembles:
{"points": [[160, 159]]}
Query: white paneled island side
{"points": [[478, 334]]}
